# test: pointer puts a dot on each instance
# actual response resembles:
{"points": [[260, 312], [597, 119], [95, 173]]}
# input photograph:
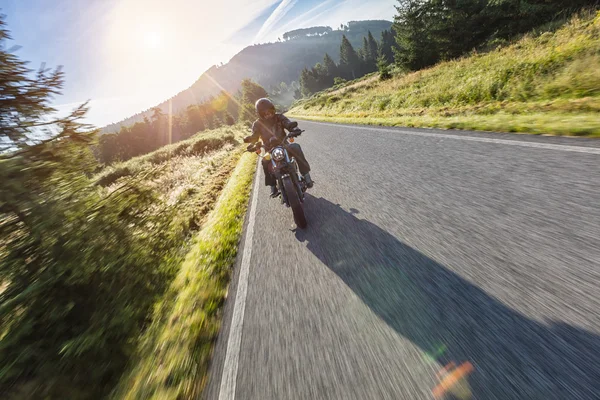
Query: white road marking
{"points": [[546, 146], [230, 366]]}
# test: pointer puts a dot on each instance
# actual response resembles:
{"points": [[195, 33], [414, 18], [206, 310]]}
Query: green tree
{"points": [[308, 83], [384, 68], [250, 93], [26, 115], [109, 149], [331, 68], [349, 61], [386, 46], [158, 132], [373, 47], [369, 53], [457, 26], [416, 48], [320, 73], [196, 119], [363, 55]]}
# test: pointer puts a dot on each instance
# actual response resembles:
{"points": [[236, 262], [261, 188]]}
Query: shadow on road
{"points": [[449, 318]]}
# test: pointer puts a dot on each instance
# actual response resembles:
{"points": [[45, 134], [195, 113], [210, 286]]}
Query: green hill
{"points": [[267, 64], [547, 82]]}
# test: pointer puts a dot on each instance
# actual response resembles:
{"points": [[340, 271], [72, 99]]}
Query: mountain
{"points": [[268, 64]]}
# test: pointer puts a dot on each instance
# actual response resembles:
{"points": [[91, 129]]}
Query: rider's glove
{"points": [[251, 148]]}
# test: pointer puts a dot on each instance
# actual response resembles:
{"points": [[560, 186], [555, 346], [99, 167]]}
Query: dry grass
{"points": [[172, 362], [199, 145]]}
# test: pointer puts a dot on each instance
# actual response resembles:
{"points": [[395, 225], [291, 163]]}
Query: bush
{"points": [[384, 69]]}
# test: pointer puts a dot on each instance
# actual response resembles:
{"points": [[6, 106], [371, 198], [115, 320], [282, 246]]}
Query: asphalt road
{"points": [[424, 248]]}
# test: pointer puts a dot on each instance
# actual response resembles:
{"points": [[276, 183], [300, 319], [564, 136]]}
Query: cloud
{"points": [[332, 13], [284, 7]]}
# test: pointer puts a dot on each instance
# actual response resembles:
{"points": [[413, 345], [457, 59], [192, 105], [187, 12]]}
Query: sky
{"points": [[126, 56]]}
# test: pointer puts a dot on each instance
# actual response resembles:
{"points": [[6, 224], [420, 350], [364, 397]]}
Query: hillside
{"points": [[124, 237], [267, 64], [544, 83]]}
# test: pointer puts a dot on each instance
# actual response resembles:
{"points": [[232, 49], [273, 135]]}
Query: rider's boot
{"points": [[309, 181], [274, 191]]}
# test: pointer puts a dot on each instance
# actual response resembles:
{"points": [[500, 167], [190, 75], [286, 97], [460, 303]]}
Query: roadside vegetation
{"points": [[173, 358], [87, 262], [94, 254], [546, 82]]}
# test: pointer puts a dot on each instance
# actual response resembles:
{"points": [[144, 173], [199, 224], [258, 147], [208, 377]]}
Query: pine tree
{"points": [[373, 47], [457, 27], [25, 97], [368, 53], [384, 68], [386, 46], [319, 73], [195, 119], [363, 54], [331, 69], [416, 48], [308, 83], [251, 92], [349, 60]]}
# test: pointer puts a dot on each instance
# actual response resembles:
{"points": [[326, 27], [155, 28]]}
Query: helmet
{"points": [[263, 105]]}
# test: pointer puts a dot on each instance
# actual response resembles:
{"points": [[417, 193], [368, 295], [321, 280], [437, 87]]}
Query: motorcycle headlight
{"points": [[278, 154]]}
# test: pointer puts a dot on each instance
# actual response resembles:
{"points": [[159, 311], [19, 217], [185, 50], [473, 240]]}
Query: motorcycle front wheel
{"points": [[294, 201]]}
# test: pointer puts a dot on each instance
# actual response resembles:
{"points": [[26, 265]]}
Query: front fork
{"points": [[284, 199], [297, 178], [300, 188]]}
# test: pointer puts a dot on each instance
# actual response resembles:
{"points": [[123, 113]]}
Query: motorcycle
{"points": [[290, 182]]}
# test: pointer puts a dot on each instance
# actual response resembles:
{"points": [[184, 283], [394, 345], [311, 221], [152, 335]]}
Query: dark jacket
{"points": [[267, 129]]}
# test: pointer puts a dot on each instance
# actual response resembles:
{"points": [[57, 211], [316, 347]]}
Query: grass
{"points": [[554, 124], [173, 358], [544, 83], [198, 145]]}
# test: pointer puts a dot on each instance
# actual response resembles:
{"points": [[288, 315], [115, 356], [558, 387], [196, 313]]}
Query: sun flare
{"points": [[152, 40]]}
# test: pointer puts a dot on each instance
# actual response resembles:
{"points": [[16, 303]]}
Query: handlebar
{"points": [[255, 147], [294, 133]]}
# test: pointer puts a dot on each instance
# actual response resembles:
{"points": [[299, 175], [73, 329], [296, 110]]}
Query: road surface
{"points": [[425, 249]]}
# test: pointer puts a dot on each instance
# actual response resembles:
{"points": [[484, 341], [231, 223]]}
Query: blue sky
{"points": [[128, 55]]}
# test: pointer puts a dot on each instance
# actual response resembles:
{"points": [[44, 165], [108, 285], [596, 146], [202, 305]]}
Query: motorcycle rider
{"points": [[269, 127]]}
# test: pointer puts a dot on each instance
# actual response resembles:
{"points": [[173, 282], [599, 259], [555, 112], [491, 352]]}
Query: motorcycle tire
{"points": [[294, 202]]}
